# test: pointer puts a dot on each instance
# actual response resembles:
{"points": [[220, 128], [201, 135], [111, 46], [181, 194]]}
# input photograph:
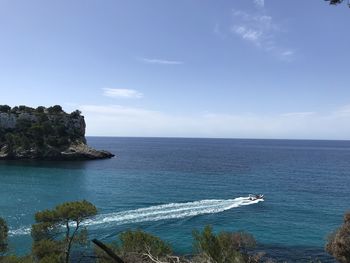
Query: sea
{"points": [[171, 186]]}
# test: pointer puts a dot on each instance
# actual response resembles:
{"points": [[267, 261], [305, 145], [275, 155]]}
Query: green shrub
{"points": [[5, 108], [3, 236], [55, 109], [66, 219], [141, 242], [47, 250], [40, 109], [225, 247], [339, 242], [75, 114]]}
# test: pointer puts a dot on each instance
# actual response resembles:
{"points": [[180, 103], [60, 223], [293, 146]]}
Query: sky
{"points": [[184, 68]]}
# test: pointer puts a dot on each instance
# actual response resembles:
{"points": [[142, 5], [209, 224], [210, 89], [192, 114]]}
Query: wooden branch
{"points": [[108, 251], [153, 259], [149, 255]]}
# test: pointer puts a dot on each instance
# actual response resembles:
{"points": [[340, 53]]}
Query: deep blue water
{"points": [[306, 184]]}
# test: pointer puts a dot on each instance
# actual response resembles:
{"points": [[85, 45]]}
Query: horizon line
{"points": [[216, 138]]}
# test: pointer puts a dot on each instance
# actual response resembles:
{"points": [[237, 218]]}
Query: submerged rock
{"points": [[44, 134]]}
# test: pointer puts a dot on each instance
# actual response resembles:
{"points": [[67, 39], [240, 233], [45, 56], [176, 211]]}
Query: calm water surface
{"points": [[171, 186]]}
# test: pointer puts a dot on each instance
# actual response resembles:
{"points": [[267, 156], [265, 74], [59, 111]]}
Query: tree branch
{"points": [[108, 251]]}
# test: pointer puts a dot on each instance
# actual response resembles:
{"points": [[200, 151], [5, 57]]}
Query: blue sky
{"points": [[184, 68]]}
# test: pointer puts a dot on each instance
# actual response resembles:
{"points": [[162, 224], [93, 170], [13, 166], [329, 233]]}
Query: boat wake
{"points": [[160, 212]]}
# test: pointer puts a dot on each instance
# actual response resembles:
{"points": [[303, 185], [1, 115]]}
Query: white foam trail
{"points": [[160, 212], [169, 211], [20, 231]]}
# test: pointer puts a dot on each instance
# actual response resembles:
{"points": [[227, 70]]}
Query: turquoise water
{"points": [[171, 186]]}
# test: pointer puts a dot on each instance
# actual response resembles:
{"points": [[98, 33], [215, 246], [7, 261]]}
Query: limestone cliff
{"points": [[44, 133]]}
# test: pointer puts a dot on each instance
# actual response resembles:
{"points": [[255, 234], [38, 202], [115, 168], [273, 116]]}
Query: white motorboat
{"points": [[256, 197]]}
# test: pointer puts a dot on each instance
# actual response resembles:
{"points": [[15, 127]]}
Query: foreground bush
{"points": [[56, 231], [138, 246], [226, 247], [141, 242], [3, 236], [339, 242]]}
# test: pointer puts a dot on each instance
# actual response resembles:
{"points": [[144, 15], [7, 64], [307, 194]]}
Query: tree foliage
{"points": [[339, 241], [335, 2], [40, 130], [47, 250], [5, 108], [3, 236], [17, 259], [224, 247], [57, 230], [141, 242], [137, 246]]}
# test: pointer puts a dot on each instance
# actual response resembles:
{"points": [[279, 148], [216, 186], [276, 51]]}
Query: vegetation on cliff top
{"points": [[39, 129], [335, 2]]}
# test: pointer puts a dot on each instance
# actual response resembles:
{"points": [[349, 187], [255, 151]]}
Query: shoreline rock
{"points": [[77, 152], [83, 151]]}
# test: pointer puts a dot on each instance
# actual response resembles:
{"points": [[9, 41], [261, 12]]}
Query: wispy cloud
{"points": [[287, 55], [261, 30], [343, 111], [258, 29], [259, 3], [122, 93], [117, 110], [161, 61], [298, 114], [116, 120], [248, 34], [218, 31]]}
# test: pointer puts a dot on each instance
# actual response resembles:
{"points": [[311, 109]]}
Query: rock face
{"points": [[82, 151], [44, 134]]}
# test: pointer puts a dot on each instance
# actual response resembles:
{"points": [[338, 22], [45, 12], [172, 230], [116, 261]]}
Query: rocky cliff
{"points": [[44, 133]]}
